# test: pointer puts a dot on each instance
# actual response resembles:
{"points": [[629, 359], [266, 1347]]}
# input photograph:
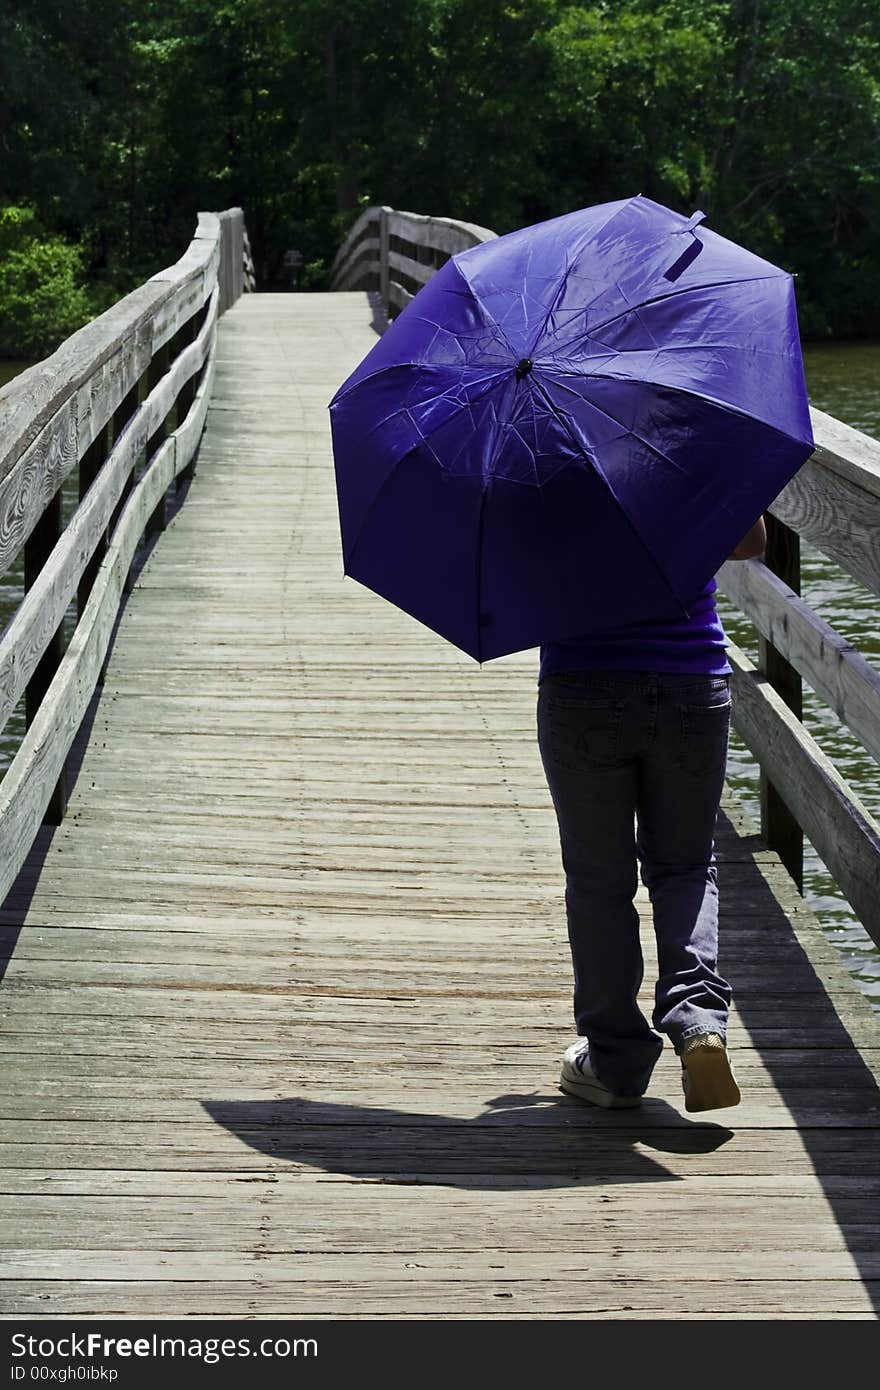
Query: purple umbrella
{"points": [[569, 428]]}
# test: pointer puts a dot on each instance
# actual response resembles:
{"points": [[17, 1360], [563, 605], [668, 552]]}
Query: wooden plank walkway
{"points": [[288, 989]]}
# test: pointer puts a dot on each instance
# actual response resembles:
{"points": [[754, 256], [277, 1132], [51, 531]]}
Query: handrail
{"points": [[386, 248], [834, 503], [127, 392]]}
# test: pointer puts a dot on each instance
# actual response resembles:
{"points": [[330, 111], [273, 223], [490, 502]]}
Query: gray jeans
{"points": [[635, 763]]}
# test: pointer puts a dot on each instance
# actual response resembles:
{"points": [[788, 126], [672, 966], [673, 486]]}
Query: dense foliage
{"points": [[120, 119]]}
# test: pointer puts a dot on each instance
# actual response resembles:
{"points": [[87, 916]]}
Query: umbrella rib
{"points": [[595, 232], [422, 442], [500, 370], [658, 299], [594, 463], [627, 429], [488, 381], [490, 318], [700, 396]]}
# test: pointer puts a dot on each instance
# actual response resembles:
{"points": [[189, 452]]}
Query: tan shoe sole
{"points": [[710, 1082]]}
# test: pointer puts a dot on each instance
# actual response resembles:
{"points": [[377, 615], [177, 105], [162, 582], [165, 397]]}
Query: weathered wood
{"points": [[838, 514], [187, 392], [363, 226], [841, 829], [189, 431], [838, 673], [27, 489], [52, 413], [421, 274], [446, 234], [30, 631], [32, 402], [496, 1298], [398, 297], [249, 281], [231, 268], [24, 789], [36, 679], [780, 829], [367, 255], [846, 451], [384, 214], [89, 467], [362, 264], [67, 416], [158, 368]]}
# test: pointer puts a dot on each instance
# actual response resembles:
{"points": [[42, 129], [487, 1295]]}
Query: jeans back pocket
{"points": [[579, 733]]}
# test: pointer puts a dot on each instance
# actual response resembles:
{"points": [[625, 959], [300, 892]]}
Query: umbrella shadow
{"points": [[530, 1141]]}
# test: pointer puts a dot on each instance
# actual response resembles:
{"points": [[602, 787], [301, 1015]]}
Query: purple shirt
{"points": [[694, 646]]}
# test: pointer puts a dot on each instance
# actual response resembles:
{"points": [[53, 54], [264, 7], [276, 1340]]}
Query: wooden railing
{"points": [[123, 401], [834, 503], [397, 252]]}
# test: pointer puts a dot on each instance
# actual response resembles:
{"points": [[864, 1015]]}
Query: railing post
{"points": [[121, 416], [779, 828], [237, 254], [157, 370], [37, 549], [90, 466], [384, 275], [231, 271], [188, 334]]}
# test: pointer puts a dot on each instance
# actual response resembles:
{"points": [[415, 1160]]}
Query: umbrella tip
{"points": [[523, 367]]}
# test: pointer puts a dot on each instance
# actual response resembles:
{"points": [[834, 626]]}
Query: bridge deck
{"points": [[289, 987]]}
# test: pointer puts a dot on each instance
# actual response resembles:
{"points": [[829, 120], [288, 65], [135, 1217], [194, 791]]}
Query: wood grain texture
{"points": [[53, 412], [834, 819], [362, 227], [30, 778], [838, 513], [366, 252], [361, 261], [405, 265], [846, 451], [286, 993], [835, 669]]}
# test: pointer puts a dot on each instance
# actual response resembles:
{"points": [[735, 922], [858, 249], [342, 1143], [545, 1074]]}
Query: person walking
{"points": [[633, 728]]}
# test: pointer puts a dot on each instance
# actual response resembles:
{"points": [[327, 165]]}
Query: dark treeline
{"points": [[120, 119]]}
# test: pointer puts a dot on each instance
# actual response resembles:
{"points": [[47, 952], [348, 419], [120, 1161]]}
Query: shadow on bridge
{"points": [[546, 1140]]}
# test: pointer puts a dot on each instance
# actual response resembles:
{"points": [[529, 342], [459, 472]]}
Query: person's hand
{"points": [[753, 543]]}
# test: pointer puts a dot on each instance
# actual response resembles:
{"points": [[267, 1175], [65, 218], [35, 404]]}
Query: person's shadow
{"points": [[533, 1140]]}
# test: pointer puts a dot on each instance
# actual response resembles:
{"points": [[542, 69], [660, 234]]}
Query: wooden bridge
{"points": [[287, 980]]}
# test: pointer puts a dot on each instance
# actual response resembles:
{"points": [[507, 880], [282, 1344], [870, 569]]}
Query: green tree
{"points": [[41, 298]]}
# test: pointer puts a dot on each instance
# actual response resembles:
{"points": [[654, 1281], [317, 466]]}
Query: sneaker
{"points": [[707, 1077], [579, 1079]]}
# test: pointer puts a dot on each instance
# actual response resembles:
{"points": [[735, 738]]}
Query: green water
{"points": [[844, 380]]}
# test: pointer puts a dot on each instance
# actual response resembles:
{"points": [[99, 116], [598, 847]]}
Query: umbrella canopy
{"points": [[570, 428]]}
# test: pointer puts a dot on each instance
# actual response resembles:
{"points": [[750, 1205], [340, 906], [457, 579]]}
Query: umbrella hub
{"points": [[523, 367]]}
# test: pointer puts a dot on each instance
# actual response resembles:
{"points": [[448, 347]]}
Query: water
{"points": [[844, 380]]}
